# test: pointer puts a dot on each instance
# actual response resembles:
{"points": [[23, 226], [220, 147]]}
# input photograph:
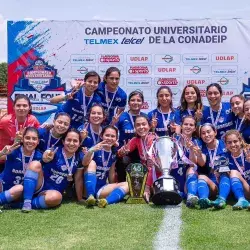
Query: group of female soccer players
{"points": [[93, 139]]}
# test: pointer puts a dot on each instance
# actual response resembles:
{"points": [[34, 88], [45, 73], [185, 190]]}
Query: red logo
{"points": [[138, 70], [167, 81], [196, 82], [167, 70], [109, 59], [145, 105]]}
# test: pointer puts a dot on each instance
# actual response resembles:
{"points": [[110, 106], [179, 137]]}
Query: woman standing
{"points": [[113, 98], [12, 125], [80, 99], [218, 113], [164, 114]]}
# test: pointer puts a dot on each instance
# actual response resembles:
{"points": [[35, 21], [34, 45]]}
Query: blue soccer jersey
{"points": [[78, 107], [14, 170], [180, 114], [110, 101], [47, 140], [125, 126], [179, 173], [92, 138], [211, 157], [104, 160], [163, 120], [222, 120], [241, 165], [56, 171]]}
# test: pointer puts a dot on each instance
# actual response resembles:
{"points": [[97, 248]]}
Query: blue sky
{"points": [[116, 10]]}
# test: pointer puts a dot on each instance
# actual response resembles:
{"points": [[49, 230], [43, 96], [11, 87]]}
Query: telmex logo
{"points": [[196, 70], [109, 58], [138, 70], [167, 58], [224, 71], [167, 81], [223, 81], [83, 70]]}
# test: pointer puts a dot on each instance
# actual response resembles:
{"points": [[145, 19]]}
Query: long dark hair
{"points": [[184, 104], [109, 71], [22, 96], [171, 94]]}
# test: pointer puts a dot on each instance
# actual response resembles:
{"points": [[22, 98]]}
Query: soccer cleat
{"points": [[241, 204], [204, 203], [91, 201], [102, 203], [192, 200], [26, 207], [219, 203]]}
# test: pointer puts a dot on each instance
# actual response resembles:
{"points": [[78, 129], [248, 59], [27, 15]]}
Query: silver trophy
{"points": [[166, 187]]}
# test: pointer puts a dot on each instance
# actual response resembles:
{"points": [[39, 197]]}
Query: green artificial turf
{"points": [[215, 229], [72, 226]]}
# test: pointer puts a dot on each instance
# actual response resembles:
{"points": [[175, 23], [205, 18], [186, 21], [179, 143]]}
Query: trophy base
{"points": [[166, 191], [135, 200]]}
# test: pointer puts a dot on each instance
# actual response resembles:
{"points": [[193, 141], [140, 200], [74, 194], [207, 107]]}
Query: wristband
{"points": [[91, 150]]}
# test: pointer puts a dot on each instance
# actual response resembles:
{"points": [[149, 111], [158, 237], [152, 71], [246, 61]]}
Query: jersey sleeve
{"points": [[177, 116], [123, 102]]}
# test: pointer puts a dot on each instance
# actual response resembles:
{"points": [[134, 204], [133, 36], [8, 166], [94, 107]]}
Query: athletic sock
{"points": [[116, 195], [39, 202], [191, 184], [5, 197], [90, 182], [237, 188], [224, 186], [29, 185], [203, 189]]}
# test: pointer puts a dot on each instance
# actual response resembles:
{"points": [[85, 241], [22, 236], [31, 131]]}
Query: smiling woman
{"points": [[12, 125]]}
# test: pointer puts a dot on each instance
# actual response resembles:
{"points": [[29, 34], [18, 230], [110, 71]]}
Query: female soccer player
{"points": [[183, 171], [143, 142], [239, 164], [164, 114], [80, 99], [237, 106], [218, 113], [54, 174], [191, 104], [126, 129], [92, 129], [16, 164], [12, 125], [100, 160], [50, 138], [207, 159], [113, 98]]}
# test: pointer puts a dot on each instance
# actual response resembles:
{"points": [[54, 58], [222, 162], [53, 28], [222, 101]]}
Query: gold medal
{"points": [[69, 177]]}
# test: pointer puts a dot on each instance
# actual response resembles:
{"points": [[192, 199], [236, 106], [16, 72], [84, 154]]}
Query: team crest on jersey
{"points": [[228, 111], [221, 119], [118, 99], [64, 167]]}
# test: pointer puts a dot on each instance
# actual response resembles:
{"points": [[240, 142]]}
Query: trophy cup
{"points": [[136, 177], [165, 188]]}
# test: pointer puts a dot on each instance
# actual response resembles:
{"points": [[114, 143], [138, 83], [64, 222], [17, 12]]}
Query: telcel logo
{"points": [[167, 58], [223, 81]]}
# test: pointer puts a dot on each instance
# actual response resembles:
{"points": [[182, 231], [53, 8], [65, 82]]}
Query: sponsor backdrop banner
{"points": [[44, 57]]}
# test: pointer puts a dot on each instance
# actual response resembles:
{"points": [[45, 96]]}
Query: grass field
{"points": [[72, 226], [215, 229]]}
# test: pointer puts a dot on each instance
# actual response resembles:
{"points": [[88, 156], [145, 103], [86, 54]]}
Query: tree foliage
{"points": [[3, 73]]}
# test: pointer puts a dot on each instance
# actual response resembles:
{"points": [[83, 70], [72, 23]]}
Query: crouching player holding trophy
{"points": [[154, 157]]}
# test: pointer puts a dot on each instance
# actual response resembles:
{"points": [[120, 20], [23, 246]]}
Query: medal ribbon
{"points": [[241, 122], [238, 165], [107, 98], [23, 159], [214, 122], [85, 107], [93, 134], [165, 122], [212, 156], [105, 163], [17, 125], [69, 167], [49, 140]]}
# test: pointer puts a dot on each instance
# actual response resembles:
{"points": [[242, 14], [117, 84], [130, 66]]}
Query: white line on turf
{"points": [[168, 236]]}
